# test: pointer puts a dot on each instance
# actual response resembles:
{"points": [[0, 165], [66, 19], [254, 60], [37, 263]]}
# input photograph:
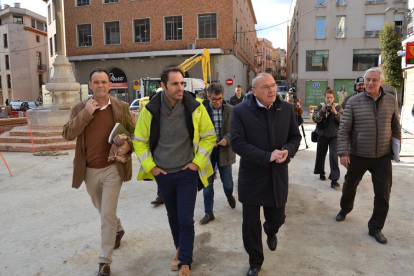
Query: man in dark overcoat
{"points": [[265, 135]]}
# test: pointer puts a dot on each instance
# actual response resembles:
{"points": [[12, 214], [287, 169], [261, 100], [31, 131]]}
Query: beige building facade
{"points": [[23, 54], [279, 64], [264, 54], [51, 33], [335, 43]]}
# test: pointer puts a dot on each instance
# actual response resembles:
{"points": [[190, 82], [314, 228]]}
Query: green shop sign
{"points": [[316, 60], [314, 92]]}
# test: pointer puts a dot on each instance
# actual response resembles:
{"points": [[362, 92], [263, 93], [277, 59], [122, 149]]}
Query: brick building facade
{"points": [[142, 37]]}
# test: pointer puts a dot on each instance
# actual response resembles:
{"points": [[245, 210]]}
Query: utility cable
{"points": [[23, 49], [287, 21]]}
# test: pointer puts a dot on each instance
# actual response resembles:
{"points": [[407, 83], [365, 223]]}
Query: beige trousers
{"points": [[104, 186]]}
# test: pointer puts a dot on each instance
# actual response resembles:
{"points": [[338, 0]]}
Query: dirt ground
{"points": [[48, 228]]}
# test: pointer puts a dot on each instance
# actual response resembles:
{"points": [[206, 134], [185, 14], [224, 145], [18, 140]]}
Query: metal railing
{"points": [[372, 33], [408, 24]]}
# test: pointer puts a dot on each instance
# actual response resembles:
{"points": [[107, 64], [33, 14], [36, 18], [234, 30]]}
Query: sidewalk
{"points": [[48, 228]]}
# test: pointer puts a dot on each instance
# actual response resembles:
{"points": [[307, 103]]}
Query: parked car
{"points": [[23, 106], [134, 105]]}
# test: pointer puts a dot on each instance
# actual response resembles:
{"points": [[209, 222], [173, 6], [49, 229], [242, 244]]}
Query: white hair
{"points": [[260, 75], [376, 69]]}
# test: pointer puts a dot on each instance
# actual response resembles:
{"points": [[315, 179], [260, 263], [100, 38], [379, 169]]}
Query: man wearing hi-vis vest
{"points": [[173, 140]]}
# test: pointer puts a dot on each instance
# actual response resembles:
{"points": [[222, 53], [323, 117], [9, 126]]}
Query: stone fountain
{"points": [[62, 87]]}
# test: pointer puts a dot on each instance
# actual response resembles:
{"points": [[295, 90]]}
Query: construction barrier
{"points": [[32, 138], [311, 109], [21, 135]]}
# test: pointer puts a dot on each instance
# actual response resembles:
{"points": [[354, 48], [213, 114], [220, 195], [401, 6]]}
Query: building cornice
{"points": [[36, 31], [151, 54], [24, 12]]}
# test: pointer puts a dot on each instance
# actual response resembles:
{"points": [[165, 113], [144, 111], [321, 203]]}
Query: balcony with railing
{"points": [[408, 25], [269, 57]]}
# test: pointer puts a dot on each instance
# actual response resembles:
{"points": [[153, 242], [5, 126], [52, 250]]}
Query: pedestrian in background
{"points": [[222, 154], [91, 122], [265, 135], [369, 123], [173, 140], [358, 88], [238, 96], [327, 116], [249, 94], [297, 107]]}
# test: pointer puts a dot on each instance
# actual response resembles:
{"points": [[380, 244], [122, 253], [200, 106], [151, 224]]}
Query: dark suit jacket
{"points": [[255, 133], [227, 156]]}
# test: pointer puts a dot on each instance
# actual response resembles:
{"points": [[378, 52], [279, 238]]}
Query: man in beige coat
{"points": [[91, 122]]}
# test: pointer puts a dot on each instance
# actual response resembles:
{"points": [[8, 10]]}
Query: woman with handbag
{"points": [[327, 116]]}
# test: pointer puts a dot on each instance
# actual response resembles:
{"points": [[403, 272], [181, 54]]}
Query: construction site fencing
{"points": [[21, 135], [32, 137]]}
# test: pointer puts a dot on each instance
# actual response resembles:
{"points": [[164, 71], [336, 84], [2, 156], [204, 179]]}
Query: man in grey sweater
{"points": [[173, 140], [369, 123]]}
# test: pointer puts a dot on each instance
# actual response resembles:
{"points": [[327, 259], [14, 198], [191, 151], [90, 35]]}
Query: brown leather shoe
{"points": [[207, 218], [104, 270], [118, 238], [175, 261], [184, 271], [158, 201]]}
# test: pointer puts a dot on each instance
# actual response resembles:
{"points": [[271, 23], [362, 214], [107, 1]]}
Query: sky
{"points": [[268, 13]]}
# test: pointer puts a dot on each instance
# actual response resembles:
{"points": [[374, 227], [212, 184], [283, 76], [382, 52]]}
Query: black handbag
{"points": [[314, 136]]}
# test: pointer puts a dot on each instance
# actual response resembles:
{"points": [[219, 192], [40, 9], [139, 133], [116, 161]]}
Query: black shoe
{"points": [[104, 270], [335, 184], [253, 272], [341, 216], [118, 238], [272, 242], [207, 218], [158, 201], [232, 201], [379, 237], [322, 177]]}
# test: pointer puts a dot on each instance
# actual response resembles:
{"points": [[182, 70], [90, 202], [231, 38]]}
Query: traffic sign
{"points": [[136, 84], [229, 81]]}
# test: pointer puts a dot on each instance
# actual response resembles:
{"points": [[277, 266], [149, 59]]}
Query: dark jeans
{"points": [[226, 177], [252, 230], [381, 174], [321, 150], [179, 191]]}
